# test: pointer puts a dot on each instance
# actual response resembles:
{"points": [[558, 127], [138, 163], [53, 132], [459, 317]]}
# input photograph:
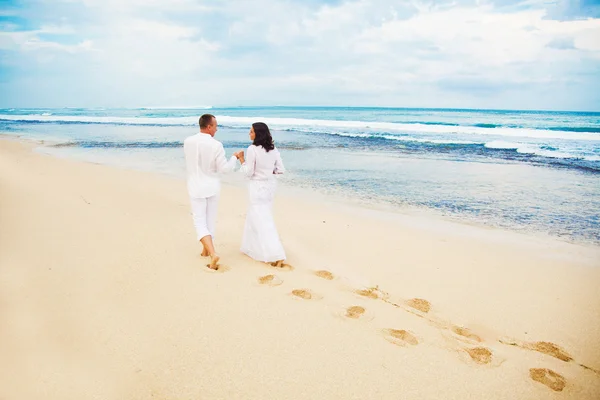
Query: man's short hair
{"points": [[205, 120]]}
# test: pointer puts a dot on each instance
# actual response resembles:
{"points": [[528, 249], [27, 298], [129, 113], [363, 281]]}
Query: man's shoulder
{"points": [[206, 141], [190, 139], [216, 142], [198, 138]]}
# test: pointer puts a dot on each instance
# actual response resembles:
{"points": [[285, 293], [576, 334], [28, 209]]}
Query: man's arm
{"points": [[221, 162]]}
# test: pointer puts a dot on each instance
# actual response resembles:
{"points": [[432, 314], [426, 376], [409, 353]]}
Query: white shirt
{"points": [[260, 164], [204, 160]]}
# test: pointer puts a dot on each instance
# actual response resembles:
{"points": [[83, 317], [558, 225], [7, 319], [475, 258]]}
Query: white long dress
{"points": [[261, 240]]}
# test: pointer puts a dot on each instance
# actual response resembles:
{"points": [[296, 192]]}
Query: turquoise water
{"points": [[528, 171]]}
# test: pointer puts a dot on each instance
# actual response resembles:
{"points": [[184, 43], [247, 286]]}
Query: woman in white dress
{"points": [[260, 164]]}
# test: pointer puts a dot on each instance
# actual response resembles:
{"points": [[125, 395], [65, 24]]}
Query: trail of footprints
{"points": [[472, 348]]}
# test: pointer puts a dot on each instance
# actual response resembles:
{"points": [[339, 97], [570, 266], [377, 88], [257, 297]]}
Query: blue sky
{"points": [[535, 54]]}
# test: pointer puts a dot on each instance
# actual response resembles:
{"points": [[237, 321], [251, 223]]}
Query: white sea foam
{"points": [[102, 120], [528, 148], [434, 141], [173, 108], [536, 150], [345, 128], [499, 144]]}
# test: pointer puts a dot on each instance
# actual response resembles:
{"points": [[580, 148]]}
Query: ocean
{"points": [[536, 172]]}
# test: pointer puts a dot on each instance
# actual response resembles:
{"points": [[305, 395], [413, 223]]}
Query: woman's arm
{"points": [[248, 161], [279, 167]]}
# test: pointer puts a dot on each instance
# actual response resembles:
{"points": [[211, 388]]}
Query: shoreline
{"points": [[104, 295], [416, 215], [424, 218]]}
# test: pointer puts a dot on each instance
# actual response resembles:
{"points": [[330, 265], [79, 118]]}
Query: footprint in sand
{"points": [[419, 304], [480, 355], [270, 280], [551, 349], [548, 348], [465, 334], [549, 378], [305, 294], [220, 269], [324, 274], [400, 337], [371, 293], [454, 333], [281, 266], [354, 313]]}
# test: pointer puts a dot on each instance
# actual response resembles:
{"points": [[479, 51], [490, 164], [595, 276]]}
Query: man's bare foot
{"points": [[205, 253], [278, 264], [214, 262]]}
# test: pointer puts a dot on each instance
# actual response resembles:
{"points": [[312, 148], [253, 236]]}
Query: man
{"points": [[205, 159]]}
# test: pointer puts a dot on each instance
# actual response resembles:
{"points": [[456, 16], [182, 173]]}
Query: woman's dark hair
{"points": [[262, 136]]}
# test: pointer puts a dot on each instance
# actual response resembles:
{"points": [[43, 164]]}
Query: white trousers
{"points": [[204, 214]]}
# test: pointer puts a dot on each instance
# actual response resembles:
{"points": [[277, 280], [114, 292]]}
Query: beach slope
{"points": [[104, 295]]}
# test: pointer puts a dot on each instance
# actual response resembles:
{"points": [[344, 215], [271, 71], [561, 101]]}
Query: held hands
{"points": [[239, 155]]}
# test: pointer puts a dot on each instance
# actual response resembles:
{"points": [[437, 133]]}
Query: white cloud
{"points": [[153, 29], [28, 41], [36, 45], [481, 35], [56, 30], [407, 53], [135, 5]]}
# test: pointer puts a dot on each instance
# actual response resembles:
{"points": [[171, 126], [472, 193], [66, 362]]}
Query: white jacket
{"points": [[262, 165], [204, 160]]}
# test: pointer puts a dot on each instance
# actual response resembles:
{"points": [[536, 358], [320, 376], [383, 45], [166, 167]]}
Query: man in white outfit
{"points": [[205, 159]]}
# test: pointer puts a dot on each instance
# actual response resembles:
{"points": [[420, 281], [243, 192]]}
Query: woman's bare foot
{"points": [[205, 253], [214, 262], [278, 264]]}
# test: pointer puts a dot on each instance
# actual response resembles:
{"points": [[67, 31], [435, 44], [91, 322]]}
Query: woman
{"points": [[260, 164]]}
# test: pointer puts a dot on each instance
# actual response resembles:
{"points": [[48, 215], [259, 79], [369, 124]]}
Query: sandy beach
{"points": [[104, 295]]}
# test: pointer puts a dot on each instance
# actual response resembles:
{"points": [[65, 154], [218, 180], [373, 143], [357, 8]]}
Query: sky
{"points": [[502, 54]]}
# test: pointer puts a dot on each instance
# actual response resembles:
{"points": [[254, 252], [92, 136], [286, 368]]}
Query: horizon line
{"points": [[207, 107]]}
